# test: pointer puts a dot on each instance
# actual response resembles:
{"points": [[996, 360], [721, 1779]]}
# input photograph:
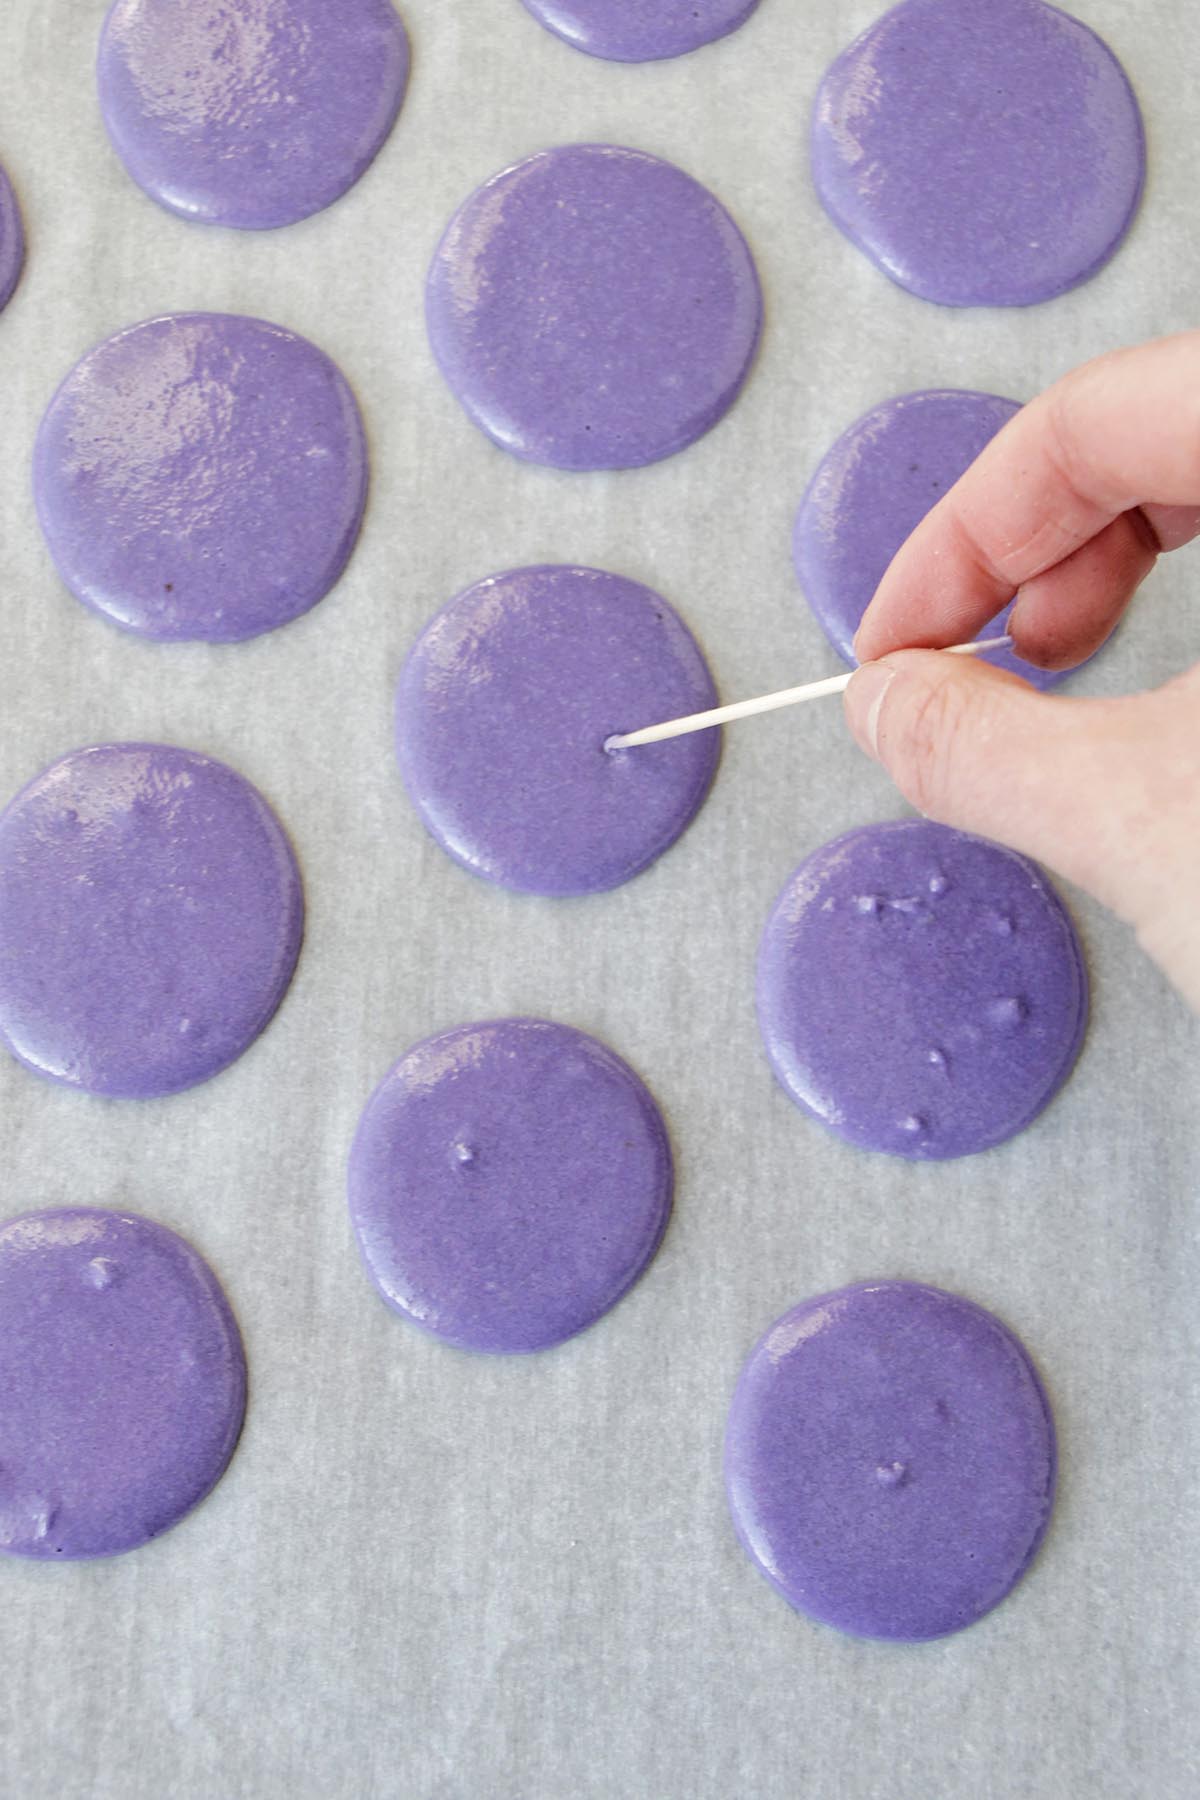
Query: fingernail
{"points": [[864, 703]]}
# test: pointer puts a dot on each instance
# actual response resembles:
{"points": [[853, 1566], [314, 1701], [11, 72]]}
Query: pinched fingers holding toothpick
{"points": [[1069, 508]]}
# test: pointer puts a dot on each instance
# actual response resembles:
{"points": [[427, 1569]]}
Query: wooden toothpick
{"points": [[746, 709]]}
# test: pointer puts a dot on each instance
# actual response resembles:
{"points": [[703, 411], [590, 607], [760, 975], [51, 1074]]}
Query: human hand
{"points": [[1069, 507]]}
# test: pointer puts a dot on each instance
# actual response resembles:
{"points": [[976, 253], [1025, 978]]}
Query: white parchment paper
{"points": [[433, 1575]]}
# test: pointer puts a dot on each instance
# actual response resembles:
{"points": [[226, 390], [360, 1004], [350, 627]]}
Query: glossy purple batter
{"points": [[503, 709], [981, 152], [123, 1377], [890, 1460], [150, 919], [12, 240], [250, 113], [921, 991], [593, 308], [872, 490], [509, 1182], [644, 31], [201, 475]]}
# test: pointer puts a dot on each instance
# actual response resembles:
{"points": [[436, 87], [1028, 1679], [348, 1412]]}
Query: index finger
{"points": [[1070, 502]]}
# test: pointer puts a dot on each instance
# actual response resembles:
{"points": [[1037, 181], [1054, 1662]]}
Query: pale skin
{"points": [[1069, 507]]}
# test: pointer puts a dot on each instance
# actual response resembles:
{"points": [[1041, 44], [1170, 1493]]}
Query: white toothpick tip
{"points": [[746, 709]]}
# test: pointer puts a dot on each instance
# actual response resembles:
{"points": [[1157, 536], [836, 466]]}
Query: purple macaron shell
{"points": [[980, 152], [593, 308], [201, 475], [250, 113], [124, 1382], [509, 1182], [644, 31], [890, 1460], [150, 919], [921, 991], [12, 240], [503, 710]]}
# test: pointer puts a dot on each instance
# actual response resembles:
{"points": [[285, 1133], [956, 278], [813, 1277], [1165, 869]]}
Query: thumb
{"points": [[1105, 792]]}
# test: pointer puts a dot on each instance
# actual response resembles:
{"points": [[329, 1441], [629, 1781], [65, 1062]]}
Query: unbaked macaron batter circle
{"points": [[12, 240], [503, 710], [250, 113], [921, 991], [150, 919], [201, 475], [508, 1183], [980, 152], [890, 1460], [124, 1382], [641, 33], [593, 308], [870, 492]]}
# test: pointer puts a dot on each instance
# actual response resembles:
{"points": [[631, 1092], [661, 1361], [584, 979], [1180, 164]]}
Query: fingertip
{"points": [[1064, 616], [1042, 647], [1172, 526], [871, 641], [872, 638]]}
